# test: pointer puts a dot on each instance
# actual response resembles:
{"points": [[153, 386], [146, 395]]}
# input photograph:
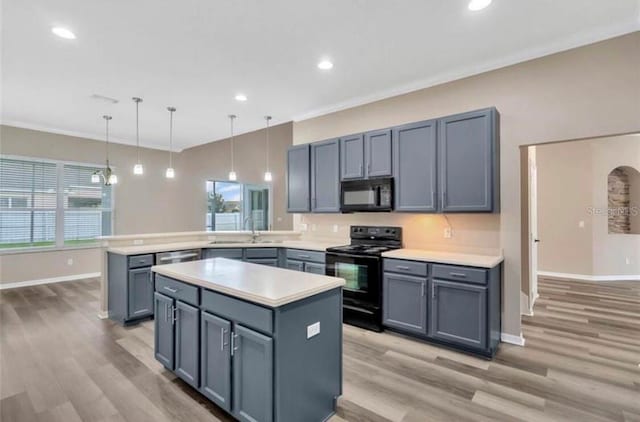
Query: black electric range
{"points": [[360, 264]]}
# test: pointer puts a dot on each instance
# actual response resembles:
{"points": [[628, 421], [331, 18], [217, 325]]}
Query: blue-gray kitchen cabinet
{"points": [[140, 290], [377, 152], [298, 179], [187, 323], [469, 162], [314, 268], [352, 157], [215, 359], [294, 265], [405, 303], [415, 167], [325, 176], [459, 313], [164, 333], [252, 375]]}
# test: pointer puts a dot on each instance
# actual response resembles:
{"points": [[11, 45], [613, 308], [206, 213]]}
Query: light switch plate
{"points": [[447, 233], [313, 329]]}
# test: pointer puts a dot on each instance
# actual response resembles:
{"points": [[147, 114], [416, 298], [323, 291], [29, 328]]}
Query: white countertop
{"points": [[454, 258], [261, 284], [204, 244]]}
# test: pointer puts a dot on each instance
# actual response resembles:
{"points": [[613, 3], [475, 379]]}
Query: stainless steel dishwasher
{"points": [[177, 256]]}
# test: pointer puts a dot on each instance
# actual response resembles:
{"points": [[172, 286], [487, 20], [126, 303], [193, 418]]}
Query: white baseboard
{"points": [[585, 277], [103, 314], [511, 339], [28, 283]]}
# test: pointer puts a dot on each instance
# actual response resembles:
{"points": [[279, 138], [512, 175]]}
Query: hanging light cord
{"points": [[268, 118], [231, 117], [137, 129], [106, 120], [171, 137]]}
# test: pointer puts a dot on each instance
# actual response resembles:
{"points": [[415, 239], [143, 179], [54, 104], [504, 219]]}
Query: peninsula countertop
{"points": [[442, 257], [204, 244], [269, 286]]}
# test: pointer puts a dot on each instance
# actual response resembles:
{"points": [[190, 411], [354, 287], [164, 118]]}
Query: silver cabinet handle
{"points": [[234, 343], [369, 168], [461, 275], [222, 334], [174, 315], [403, 267], [433, 291], [360, 173], [170, 289], [304, 256], [422, 288], [166, 312]]}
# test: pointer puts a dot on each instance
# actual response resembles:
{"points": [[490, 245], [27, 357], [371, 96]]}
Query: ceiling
{"points": [[197, 55]]}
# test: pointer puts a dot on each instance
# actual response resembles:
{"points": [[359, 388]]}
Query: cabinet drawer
{"points": [[231, 253], [177, 289], [451, 272], [137, 261], [238, 310], [272, 262], [261, 253], [406, 267], [302, 255]]}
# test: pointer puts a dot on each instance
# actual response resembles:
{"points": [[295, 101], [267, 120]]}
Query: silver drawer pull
{"points": [[234, 343], [403, 267], [222, 334], [171, 258], [304, 256], [170, 289], [457, 274]]}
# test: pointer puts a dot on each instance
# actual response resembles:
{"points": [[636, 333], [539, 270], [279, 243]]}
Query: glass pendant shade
{"points": [[113, 179], [232, 176], [267, 176], [138, 169], [170, 173], [95, 178]]}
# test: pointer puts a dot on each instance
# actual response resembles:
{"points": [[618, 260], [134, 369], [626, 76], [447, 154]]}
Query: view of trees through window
{"points": [[236, 206]]}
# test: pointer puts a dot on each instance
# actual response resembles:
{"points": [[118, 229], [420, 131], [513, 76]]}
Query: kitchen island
{"points": [[263, 343]]}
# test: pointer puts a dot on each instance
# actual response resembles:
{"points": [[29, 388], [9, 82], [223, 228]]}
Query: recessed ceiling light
{"points": [[325, 65], [476, 5], [63, 33], [241, 97]]}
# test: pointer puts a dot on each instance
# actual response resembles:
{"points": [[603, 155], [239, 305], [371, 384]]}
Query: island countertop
{"points": [[269, 286]]}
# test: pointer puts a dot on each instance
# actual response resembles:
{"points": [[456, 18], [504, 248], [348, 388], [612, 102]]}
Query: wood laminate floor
{"points": [[59, 362]]}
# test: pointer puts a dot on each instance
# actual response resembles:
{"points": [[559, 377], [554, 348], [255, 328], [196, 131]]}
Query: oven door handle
{"points": [[338, 254]]}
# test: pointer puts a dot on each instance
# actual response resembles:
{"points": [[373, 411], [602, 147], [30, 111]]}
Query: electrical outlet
{"points": [[279, 219], [313, 329], [448, 233], [581, 224], [303, 227], [70, 261], [335, 228], [628, 261], [211, 238], [313, 227]]}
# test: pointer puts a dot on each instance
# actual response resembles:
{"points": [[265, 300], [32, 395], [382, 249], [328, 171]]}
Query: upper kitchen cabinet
{"points": [[325, 176], [366, 155], [377, 153], [414, 166], [352, 157], [469, 162], [298, 183]]}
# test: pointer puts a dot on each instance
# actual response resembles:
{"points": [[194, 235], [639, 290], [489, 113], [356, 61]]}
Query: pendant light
{"points": [[232, 174], [107, 174], [170, 173], [138, 169], [267, 174]]}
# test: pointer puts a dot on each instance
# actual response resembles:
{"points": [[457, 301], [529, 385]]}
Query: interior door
{"points": [[256, 205], [533, 229]]}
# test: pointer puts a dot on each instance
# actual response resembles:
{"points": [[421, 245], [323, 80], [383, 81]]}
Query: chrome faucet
{"points": [[254, 234]]}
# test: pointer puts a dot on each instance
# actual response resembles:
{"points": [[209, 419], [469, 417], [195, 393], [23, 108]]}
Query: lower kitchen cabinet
{"points": [[164, 334], [140, 290], [459, 313], [314, 268], [295, 265], [405, 303], [187, 322], [215, 359], [252, 375]]}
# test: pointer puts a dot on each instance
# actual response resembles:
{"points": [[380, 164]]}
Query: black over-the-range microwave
{"points": [[366, 195]]}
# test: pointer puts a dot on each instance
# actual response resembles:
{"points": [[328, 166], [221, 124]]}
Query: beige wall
{"points": [[150, 203], [584, 92]]}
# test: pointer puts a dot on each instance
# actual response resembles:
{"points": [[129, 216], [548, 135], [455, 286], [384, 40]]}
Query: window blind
{"points": [[28, 197], [87, 206]]}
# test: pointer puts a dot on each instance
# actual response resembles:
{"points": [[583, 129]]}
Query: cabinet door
{"points": [[312, 267], [405, 302], [252, 375], [325, 176], [377, 149], [140, 293], [459, 313], [414, 166], [352, 157], [271, 262], [164, 333], [295, 265], [187, 342], [215, 359], [298, 182], [466, 147]]}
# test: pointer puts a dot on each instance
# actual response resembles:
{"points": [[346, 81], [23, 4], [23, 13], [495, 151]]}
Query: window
{"points": [[46, 203], [235, 206]]}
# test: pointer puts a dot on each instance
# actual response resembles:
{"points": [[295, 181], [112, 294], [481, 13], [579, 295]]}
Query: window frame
{"points": [[243, 213], [59, 243]]}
